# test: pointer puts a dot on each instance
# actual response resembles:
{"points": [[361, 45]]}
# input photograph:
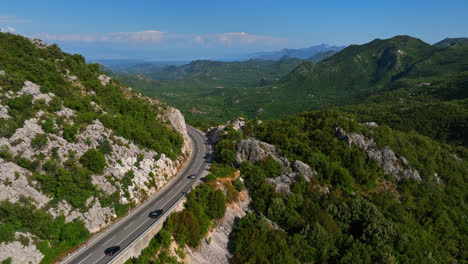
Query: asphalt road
{"points": [[134, 224]]}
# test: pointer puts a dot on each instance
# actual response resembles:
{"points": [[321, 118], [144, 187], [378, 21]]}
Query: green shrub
{"points": [[105, 146], [70, 132], [238, 185], [48, 125], [93, 160], [39, 141]]}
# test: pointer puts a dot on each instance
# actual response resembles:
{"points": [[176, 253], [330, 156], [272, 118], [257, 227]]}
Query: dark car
{"points": [[112, 250], [192, 176], [155, 214]]}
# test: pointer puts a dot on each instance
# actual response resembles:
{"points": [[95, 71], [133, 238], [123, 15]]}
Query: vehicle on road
{"points": [[112, 250], [155, 214], [192, 176]]}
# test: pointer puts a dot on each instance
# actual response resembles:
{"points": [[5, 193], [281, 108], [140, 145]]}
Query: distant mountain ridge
{"points": [[303, 53], [449, 42]]}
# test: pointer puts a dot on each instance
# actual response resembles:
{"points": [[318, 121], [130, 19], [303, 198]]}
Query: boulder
{"points": [[303, 169], [104, 79], [255, 151]]}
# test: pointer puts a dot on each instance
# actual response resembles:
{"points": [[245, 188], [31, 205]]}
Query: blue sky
{"points": [[198, 29]]}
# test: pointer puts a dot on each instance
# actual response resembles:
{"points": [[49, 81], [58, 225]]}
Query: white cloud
{"points": [[148, 36], [7, 29], [152, 37]]}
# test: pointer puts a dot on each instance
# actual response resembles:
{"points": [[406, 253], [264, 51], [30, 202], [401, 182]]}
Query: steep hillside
{"points": [[357, 70], [78, 149], [327, 189]]}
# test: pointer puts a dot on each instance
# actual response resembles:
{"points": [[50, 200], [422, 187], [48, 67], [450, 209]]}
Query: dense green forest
{"points": [[365, 216]]}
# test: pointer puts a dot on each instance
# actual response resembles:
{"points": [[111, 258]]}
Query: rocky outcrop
{"points": [[4, 112], [303, 169], [20, 253], [35, 90], [104, 79], [214, 133], [14, 184], [38, 43], [178, 123], [397, 167], [256, 151], [95, 219], [215, 248]]}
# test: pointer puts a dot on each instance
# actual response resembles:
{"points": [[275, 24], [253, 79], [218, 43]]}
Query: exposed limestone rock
{"points": [[104, 79], [217, 251], [124, 158], [255, 151], [437, 179], [283, 182], [103, 184], [34, 90], [214, 133], [19, 253], [20, 142], [354, 139], [178, 122], [14, 184], [4, 111], [69, 77], [385, 157], [95, 219], [371, 124], [65, 112], [455, 157], [303, 169], [38, 43]]}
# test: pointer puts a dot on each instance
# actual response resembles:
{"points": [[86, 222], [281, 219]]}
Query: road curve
{"points": [[136, 223]]}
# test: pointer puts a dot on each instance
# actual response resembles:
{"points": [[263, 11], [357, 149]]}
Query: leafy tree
{"points": [[93, 160]]}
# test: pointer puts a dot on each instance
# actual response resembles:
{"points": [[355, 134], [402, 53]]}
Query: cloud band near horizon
{"points": [[159, 37]]}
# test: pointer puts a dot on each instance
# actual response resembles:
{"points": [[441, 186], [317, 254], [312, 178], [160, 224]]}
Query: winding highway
{"points": [[129, 228]]}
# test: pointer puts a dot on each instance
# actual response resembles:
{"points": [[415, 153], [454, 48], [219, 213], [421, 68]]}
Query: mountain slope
{"points": [[77, 149], [357, 70], [449, 42], [303, 53]]}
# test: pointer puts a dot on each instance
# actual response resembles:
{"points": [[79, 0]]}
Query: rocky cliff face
{"points": [[398, 167], [151, 170], [256, 151], [215, 247]]}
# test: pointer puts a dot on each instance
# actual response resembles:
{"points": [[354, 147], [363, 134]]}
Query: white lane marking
{"points": [[86, 257], [127, 226], [111, 238], [135, 229], [100, 259]]}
